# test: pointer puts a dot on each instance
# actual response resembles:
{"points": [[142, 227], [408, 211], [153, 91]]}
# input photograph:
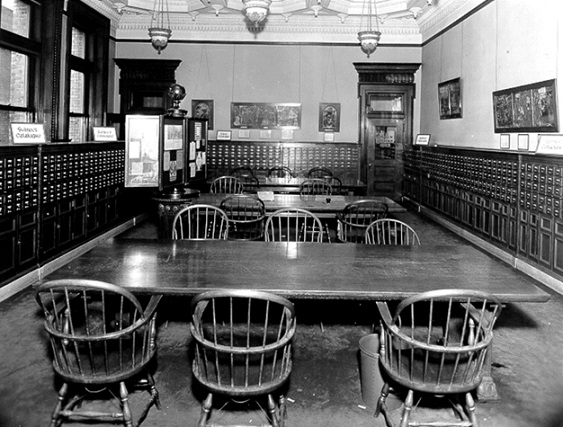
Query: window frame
{"points": [[31, 47]]}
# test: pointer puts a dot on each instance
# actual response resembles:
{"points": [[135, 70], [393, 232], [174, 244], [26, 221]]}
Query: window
{"points": [[19, 72], [16, 17], [87, 70]]}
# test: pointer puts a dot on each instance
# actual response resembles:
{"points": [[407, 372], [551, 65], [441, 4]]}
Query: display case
{"points": [[155, 152]]}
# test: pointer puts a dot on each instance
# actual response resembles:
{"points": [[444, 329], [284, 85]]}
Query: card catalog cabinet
{"points": [[513, 200], [54, 197], [341, 158], [19, 202]]}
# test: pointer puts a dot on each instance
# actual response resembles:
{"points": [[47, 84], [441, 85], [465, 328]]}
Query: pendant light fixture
{"points": [[369, 38], [256, 10], [159, 30]]}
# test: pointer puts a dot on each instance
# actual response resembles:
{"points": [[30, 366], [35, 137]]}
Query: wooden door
{"points": [[386, 94], [384, 150]]}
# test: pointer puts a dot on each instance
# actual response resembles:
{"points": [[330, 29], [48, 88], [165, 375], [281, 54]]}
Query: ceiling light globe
{"points": [[257, 10], [369, 41], [159, 37]]}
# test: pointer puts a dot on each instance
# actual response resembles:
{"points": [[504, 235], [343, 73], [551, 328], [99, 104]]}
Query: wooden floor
{"points": [[325, 387]]}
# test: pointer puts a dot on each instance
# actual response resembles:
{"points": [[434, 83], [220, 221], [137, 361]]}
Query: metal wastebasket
{"points": [[371, 380]]}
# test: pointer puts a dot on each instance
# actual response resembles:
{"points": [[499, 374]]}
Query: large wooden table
{"points": [[298, 270], [302, 270], [322, 206]]}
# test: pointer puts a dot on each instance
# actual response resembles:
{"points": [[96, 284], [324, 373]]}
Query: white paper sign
{"points": [[104, 133], [28, 133], [550, 144]]}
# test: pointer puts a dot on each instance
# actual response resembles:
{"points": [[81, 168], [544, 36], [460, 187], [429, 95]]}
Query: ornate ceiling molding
{"points": [[290, 21], [299, 29], [449, 12]]}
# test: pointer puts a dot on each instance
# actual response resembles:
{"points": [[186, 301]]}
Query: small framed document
{"points": [[523, 141], [28, 133], [224, 135], [504, 141], [422, 139], [104, 133]]}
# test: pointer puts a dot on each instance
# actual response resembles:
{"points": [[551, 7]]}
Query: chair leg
{"points": [[283, 410], [470, 404], [407, 409], [124, 395], [56, 417], [154, 399], [272, 411], [381, 401], [205, 409]]}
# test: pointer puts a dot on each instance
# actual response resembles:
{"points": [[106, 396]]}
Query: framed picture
{"points": [[203, 109], [329, 117], [523, 141], [529, 108], [422, 139], [262, 115], [505, 141], [449, 98], [224, 135]]}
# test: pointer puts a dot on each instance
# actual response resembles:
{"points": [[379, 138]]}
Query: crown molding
{"points": [[449, 12], [298, 29]]}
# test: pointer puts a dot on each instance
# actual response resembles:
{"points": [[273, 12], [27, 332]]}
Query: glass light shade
{"points": [[159, 37], [257, 10], [369, 41]]}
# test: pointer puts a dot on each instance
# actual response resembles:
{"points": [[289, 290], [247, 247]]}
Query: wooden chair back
{"points": [[242, 172], [242, 341], [280, 172], [250, 184], [438, 341], [247, 215], [336, 184], [293, 225], [200, 222], [99, 332], [227, 184], [319, 172], [354, 219], [389, 231], [315, 186], [243, 347]]}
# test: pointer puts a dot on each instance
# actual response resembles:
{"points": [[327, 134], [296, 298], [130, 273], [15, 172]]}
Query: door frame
{"points": [[384, 78]]}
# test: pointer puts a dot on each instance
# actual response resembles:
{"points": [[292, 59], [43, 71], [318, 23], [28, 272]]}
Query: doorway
{"points": [[386, 95]]}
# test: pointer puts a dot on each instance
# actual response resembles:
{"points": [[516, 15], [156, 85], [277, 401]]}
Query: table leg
{"points": [[487, 390]]}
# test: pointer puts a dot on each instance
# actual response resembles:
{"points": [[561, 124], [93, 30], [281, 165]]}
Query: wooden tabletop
{"points": [[298, 270], [322, 206]]}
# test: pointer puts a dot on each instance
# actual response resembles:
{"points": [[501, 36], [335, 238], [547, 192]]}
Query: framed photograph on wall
{"points": [[203, 109], [528, 108], [329, 117], [449, 99]]}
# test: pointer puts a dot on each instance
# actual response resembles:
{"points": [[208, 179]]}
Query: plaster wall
{"points": [[307, 74], [507, 43]]}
